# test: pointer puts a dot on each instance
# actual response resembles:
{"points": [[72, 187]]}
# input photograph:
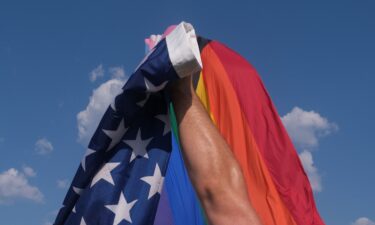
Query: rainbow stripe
{"points": [[240, 107]]}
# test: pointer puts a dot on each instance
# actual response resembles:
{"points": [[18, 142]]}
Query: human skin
{"points": [[212, 168]]}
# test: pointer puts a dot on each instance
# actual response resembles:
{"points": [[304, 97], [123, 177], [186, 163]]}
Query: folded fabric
{"points": [[121, 175], [135, 149], [240, 107]]}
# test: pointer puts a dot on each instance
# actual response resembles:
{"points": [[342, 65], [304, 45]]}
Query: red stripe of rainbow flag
{"points": [[235, 97]]}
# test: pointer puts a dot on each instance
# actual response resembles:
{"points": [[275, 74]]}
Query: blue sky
{"points": [[316, 59]]}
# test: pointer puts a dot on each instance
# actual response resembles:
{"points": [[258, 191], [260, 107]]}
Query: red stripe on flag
{"points": [[270, 135]]}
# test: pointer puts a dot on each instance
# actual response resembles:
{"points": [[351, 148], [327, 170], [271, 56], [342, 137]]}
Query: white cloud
{"points": [[96, 73], [14, 185], [363, 221], [117, 72], [63, 183], [312, 172], [43, 146], [306, 127], [100, 99], [28, 171]]}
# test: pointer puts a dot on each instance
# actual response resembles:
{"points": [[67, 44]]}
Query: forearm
{"points": [[211, 165], [199, 139]]}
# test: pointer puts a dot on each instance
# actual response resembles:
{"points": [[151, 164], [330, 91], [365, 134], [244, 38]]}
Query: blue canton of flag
{"points": [[120, 178]]}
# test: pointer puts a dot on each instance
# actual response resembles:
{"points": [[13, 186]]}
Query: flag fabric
{"points": [[136, 148], [242, 110], [120, 178], [240, 107]]}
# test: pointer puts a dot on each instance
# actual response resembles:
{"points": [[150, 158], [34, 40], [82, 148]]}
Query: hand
{"points": [[183, 95], [183, 86]]}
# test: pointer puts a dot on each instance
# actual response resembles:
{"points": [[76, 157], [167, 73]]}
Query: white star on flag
{"points": [[143, 102], [105, 174], [165, 119], [83, 222], [155, 181], [121, 210], [152, 88], [87, 153], [113, 104], [115, 135], [138, 146], [78, 191]]}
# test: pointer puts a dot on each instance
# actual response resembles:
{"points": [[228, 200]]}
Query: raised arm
{"points": [[212, 168]]}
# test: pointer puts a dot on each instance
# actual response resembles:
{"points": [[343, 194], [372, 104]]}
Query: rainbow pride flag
{"points": [[233, 94]]}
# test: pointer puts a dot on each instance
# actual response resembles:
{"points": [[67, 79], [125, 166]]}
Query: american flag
{"points": [[120, 177]]}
